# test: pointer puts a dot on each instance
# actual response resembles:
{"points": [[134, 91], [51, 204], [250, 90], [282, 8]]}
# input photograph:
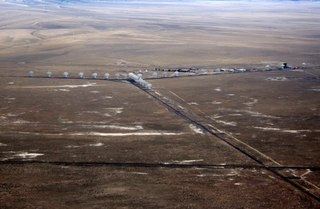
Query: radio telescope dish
{"points": [[94, 75], [65, 74], [30, 73], [81, 75], [49, 74]]}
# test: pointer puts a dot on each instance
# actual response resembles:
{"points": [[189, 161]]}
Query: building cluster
{"points": [[139, 81]]}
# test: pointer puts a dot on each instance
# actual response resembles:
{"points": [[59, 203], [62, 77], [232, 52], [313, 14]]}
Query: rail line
{"points": [[156, 165], [188, 117]]}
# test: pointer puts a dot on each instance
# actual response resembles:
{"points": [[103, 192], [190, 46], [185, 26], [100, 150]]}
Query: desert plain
{"points": [[219, 139]]}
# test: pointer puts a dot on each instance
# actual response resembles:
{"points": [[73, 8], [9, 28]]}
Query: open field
{"points": [[278, 116], [223, 140], [120, 36]]}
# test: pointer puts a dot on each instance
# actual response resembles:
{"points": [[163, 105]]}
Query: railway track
{"points": [[156, 165]]}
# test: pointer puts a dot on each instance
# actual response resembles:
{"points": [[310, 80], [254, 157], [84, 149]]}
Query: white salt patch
{"points": [[3, 145], [217, 89], [12, 115], [284, 130], [118, 111], [188, 161], [298, 131], [227, 123], [65, 121], [115, 110], [92, 112], [314, 89], [107, 97], [61, 86], [257, 114], [72, 146], [271, 177], [134, 128], [139, 173], [235, 114], [151, 133], [26, 155], [127, 134], [193, 103], [181, 107], [196, 129], [94, 92], [267, 128], [215, 116], [177, 95], [20, 122], [129, 128], [10, 98], [233, 173], [238, 184], [96, 145], [231, 95], [212, 175], [215, 102], [64, 90], [252, 102], [10, 83], [276, 79], [35, 133], [294, 131], [252, 113]]}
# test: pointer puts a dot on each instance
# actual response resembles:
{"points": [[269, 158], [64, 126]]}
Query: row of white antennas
{"points": [[106, 76], [131, 76], [49, 74]]}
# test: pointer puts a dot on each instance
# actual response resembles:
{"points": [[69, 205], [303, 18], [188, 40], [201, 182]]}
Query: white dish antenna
{"points": [[30, 73], [65, 74], [81, 75], [106, 76], [49, 74], [94, 75]]}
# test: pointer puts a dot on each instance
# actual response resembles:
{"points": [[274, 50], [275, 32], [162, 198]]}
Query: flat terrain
{"points": [[280, 117], [119, 36], [221, 140]]}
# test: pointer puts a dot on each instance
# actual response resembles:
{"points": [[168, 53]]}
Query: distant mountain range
{"points": [[114, 1], [35, 2]]}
